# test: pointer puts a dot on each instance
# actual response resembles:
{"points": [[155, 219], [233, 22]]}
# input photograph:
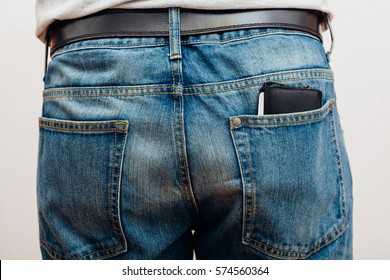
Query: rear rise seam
{"points": [[178, 111]]}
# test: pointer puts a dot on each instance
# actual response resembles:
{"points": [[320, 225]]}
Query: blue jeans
{"points": [[151, 148]]}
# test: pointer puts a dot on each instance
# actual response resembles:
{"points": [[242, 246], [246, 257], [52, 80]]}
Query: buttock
{"points": [[146, 157]]}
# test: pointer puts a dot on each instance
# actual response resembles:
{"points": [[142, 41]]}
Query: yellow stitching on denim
{"points": [[250, 86], [316, 248], [120, 123], [111, 178], [113, 162], [233, 84], [328, 104], [308, 74], [266, 78], [106, 95], [51, 252], [82, 129], [54, 255], [43, 122], [220, 91], [253, 190], [58, 256], [115, 220], [116, 248], [250, 36], [113, 254], [103, 123], [322, 114], [117, 251], [55, 235], [114, 88], [242, 170], [98, 46], [236, 87], [148, 44], [296, 121], [118, 221]]}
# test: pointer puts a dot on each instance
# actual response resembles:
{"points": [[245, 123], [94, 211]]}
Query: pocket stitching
{"points": [[252, 202], [263, 120], [332, 234], [78, 126], [114, 219], [286, 254], [55, 255]]}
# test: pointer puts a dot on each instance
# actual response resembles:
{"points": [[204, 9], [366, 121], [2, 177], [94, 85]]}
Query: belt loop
{"points": [[174, 33], [329, 53], [46, 54]]}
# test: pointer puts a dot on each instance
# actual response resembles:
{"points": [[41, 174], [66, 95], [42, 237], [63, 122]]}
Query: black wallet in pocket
{"points": [[280, 99]]}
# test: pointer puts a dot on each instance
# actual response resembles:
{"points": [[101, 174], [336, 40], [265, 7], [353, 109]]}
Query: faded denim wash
{"points": [[151, 148]]}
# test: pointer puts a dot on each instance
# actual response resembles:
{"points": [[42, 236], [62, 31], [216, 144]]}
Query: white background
{"points": [[361, 61]]}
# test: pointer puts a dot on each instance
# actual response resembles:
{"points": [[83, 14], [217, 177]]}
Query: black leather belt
{"points": [[155, 22]]}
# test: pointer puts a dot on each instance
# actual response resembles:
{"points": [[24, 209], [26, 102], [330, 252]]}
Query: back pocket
{"points": [[291, 172], [79, 174]]}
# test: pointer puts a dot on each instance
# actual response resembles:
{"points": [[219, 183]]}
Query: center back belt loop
{"points": [[174, 33]]}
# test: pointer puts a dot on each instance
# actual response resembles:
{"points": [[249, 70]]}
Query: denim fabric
{"points": [[151, 148]]}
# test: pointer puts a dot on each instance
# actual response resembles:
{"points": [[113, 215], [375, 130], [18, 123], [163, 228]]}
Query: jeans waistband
{"points": [[156, 22]]}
